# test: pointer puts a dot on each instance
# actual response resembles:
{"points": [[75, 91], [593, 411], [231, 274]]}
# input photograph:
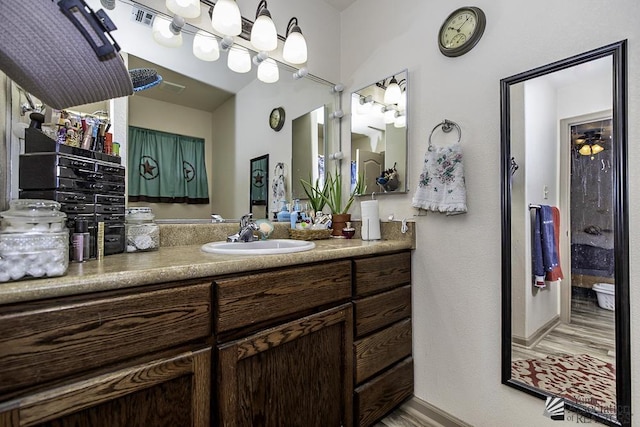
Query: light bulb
{"points": [[264, 36], [392, 93], [163, 34], [400, 121], [226, 18], [239, 59], [205, 46], [268, 71], [596, 148], [185, 8]]}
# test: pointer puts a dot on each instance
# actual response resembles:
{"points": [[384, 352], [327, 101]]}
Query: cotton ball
{"points": [[55, 270], [36, 270], [17, 271]]}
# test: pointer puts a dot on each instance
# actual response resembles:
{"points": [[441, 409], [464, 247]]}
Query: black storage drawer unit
{"points": [[87, 184]]}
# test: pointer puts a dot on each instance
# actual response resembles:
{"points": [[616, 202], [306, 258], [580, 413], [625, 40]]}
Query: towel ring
{"points": [[447, 126]]}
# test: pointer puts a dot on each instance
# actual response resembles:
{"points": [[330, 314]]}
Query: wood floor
{"points": [[591, 331], [403, 418]]}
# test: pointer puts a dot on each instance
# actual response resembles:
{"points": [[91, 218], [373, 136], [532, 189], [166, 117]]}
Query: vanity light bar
{"points": [[247, 24]]}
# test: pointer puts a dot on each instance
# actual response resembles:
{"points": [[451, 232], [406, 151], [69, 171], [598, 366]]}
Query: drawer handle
{"points": [[97, 186], [112, 239], [111, 208], [76, 197]]}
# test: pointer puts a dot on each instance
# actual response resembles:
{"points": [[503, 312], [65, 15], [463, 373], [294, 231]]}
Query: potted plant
{"points": [[315, 192], [333, 199]]}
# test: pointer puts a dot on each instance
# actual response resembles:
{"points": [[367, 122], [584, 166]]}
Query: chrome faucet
{"points": [[247, 227]]}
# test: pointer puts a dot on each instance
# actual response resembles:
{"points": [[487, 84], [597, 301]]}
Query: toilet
{"points": [[606, 295]]}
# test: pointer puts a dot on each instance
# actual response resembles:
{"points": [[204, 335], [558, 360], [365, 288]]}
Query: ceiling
{"points": [[340, 4], [179, 89]]}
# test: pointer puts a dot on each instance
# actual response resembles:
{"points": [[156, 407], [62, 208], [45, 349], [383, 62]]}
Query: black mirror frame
{"points": [[618, 52]]}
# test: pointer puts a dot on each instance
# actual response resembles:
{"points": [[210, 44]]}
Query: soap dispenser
{"points": [[283, 215]]}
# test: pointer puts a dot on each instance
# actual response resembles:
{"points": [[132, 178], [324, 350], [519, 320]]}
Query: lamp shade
{"points": [[585, 150], [596, 148], [184, 8], [226, 18], [264, 36], [295, 49], [402, 102], [205, 46], [162, 33], [393, 93], [389, 116], [268, 71], [239, 59]]}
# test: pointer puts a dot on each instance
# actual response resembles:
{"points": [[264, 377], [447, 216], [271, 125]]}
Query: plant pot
{"points": [[338, 222]]}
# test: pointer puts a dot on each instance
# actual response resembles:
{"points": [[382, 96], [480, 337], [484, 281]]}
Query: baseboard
{"points": [[539, 334], [436, 415]]}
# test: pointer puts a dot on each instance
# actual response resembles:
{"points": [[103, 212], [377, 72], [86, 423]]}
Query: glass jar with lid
{"points": [[143, 234], [34, 241]]}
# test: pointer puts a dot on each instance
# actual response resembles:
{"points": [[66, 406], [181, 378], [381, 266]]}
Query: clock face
{"points": [[276, 118], [461, 31]]}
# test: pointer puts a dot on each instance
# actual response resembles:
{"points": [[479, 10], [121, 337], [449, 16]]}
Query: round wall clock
{"points": [[276, 118], [461, 31]]}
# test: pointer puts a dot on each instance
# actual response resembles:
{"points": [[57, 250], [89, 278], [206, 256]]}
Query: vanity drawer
{"points": [[383, 309], [377, 397], [381, 273], [380, 350], [252, 299], [47, 340]]}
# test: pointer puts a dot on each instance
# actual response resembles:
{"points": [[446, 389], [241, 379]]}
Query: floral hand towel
{"points": [[441, 187]]}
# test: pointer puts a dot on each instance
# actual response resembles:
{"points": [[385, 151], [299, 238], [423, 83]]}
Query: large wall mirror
{"points": [[379, 135], [230, 111], [565, 272]]}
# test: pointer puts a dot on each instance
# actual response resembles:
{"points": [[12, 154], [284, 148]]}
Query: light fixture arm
{"points": [[292, 26], [262, 9]]}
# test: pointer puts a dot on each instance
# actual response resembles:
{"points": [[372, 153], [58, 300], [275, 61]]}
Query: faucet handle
{"points": [[245, 219]]}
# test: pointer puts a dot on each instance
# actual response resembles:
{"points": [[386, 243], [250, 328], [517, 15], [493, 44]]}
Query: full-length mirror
{"points": [[565, 305], [379, 134]]}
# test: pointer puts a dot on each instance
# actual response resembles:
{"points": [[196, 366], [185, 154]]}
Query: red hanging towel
{"points": [[556, 273]]}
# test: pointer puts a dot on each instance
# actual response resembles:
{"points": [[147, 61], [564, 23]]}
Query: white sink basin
{"points": [[259, 247]]}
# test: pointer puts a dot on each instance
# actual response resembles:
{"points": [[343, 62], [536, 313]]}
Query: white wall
{"points": [[456, 268]]}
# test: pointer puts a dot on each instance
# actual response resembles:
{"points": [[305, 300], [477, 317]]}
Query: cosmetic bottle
{"points": [[80, 239]]}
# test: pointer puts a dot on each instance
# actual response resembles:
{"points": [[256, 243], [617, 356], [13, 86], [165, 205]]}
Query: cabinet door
{"points": [[168, 392], [296, 374]]}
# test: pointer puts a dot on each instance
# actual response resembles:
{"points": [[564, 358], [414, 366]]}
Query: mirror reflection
{"points": [[308, 150], [234, 127], [563, 232], [379, 134]]}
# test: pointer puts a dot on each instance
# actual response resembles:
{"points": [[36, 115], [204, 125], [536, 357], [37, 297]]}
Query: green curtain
{"points": [[166, 168]]}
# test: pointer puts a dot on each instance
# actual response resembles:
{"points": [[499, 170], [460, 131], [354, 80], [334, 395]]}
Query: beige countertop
{"points": [[173, 263]]}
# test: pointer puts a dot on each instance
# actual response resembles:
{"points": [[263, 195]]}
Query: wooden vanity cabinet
{"points": [[296, 371], [123, 358], [383, 366]]}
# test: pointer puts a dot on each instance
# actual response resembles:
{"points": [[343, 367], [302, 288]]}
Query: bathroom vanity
{"points": [[178, 337]]}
